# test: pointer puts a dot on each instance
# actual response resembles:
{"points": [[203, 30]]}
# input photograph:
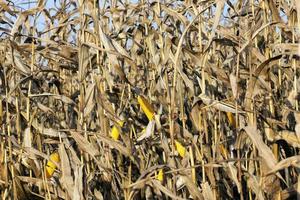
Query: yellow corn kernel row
{"points": [[146, 107], [50, 167], [160, 175], [115, 133], [180, 148]]}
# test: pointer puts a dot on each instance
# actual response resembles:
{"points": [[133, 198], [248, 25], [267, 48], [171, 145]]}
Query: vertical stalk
{"points": [[193, 169], [294, 60]]}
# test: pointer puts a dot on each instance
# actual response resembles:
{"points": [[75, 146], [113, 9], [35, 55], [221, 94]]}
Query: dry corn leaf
{"points": [[50, 132], [84, 58], [74, 66], [283, 164], [252, 83], [264, 151], [19, 64], [84, 144], [27, 140], [193, 189], [66, 178], [165, 190], [218, 13], [78, 184], [234, 175], [89, 100], [233, 83], [31, 180], [148, 131], [207, 191], [255, 186], [289, 136], [23, 16], [116, 145], [219, 105], [112, 58]]}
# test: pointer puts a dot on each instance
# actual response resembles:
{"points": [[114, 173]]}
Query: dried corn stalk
{"points": [[202, 97]]}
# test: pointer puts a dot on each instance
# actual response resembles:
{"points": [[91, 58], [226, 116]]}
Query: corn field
{"points": [[149, 99]]}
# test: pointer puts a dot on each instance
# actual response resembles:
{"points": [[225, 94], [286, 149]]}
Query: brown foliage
{"points": [[203, 97]]}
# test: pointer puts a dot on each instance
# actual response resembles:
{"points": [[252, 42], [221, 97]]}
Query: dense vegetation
{"points": [[118, 99]]}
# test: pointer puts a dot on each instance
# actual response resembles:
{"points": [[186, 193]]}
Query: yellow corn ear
{"points": [[115, 134], [160, 175], [231, 119], [146, 107], [180, 149], [50, 167]]}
